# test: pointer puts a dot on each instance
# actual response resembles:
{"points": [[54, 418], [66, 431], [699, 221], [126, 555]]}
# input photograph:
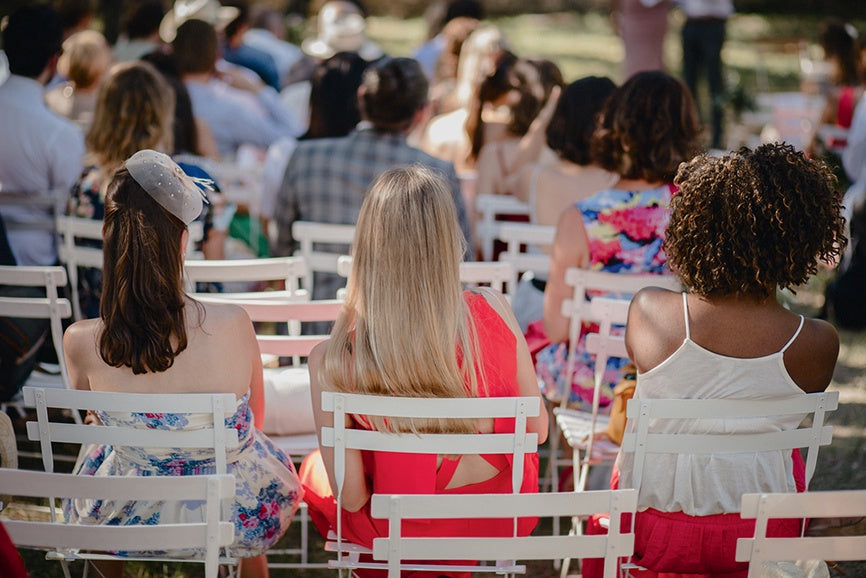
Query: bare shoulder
{"points": [[81, 336], [221, 314], [811, 358], [655, 326]]}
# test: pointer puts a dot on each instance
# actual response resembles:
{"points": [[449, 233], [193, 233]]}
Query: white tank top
{"points": [[701, 485]]}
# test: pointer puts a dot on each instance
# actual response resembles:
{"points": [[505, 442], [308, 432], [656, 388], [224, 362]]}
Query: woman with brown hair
{"points": [[647, 127], [151, 337]]}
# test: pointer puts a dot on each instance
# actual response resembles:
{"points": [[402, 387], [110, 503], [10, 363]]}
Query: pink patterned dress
{"points": [[626, 230]]}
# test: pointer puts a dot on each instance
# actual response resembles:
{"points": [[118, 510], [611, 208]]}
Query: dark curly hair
{"points": [[752, 221], [648, 126]]}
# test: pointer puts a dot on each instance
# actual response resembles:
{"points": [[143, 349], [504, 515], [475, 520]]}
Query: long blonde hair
{"points": [[405, 329]]}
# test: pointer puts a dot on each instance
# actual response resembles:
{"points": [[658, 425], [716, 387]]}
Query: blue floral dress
{"points": [[626, 231], [267, 490]]}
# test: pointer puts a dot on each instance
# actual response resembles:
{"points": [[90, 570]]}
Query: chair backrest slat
{"points": [[642, 441], [764, 507], [310, 235], [397, 508], [487, 229]]}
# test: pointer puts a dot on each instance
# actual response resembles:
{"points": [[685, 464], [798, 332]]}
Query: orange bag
{"points": [[623, 392]]}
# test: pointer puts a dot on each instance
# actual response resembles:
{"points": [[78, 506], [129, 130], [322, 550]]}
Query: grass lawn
{"points": [[758, 49]]}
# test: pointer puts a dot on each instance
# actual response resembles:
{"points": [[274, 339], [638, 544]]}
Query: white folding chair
{"points": [[643, 441], [577, 310], [288, 271], [321, 244], [68, 542], [217, 436], [397, 508], [288, 388], [487, 228], [764, 507], [74, 254], [579, 427], [341, 439], [50, 307], [520, 236]]}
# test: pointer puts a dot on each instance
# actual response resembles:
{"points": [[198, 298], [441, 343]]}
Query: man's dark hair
{"points": [[393, 90], [196, 47], [241, 20], [143, 19], [31, 39]]}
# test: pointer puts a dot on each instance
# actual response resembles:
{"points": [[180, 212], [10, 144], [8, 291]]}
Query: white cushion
{"points": [[288, 408]]}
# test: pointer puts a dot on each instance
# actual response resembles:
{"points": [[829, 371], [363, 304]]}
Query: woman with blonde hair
{"points": [[408, 329]]}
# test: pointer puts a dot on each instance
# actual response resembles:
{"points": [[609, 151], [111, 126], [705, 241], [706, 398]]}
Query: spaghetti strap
{"points": [[686, 315], [796, 333]]}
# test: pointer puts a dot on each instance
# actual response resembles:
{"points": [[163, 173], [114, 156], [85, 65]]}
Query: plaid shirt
{"points": [[326, 181]]}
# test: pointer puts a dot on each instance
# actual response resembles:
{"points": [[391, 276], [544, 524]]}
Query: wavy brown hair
{"points": [[134, 111], [752, 221], [142, 304], [648, 126]]}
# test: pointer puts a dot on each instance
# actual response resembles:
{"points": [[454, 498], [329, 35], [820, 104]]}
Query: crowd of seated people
{"points": [[343, 134]]}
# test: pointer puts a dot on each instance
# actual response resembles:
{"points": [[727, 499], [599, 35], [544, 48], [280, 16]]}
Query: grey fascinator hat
{"points": [[168, 185]]}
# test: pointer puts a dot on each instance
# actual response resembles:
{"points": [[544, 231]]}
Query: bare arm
{"points": [[570, 249], [356, 492], [75, 341]]}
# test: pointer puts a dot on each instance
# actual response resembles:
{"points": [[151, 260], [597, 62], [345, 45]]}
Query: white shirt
{"points": [[707, 8], [237, 116], [39, 152]]}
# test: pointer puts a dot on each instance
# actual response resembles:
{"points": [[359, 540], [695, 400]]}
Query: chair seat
{"points": [[297, 445]]}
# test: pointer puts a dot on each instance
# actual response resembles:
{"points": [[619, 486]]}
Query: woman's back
{"points": [[218, 357]]}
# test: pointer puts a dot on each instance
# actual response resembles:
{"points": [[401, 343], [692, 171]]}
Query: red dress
{"points": [[392, 473]]}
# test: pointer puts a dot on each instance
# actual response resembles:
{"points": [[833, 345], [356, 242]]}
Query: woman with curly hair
{"points": [[741, 227], [647, 127]]}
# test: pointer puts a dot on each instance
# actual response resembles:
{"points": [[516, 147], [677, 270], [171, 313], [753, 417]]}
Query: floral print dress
{"points": [[626, 231], [267, 489]]}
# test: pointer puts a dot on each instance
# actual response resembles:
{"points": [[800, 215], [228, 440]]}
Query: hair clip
{"points": [[168, 185]]}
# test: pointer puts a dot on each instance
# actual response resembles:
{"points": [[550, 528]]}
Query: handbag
{"points": [[623, 392]]}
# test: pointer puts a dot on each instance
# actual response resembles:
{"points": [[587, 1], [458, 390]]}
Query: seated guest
{"points": [[85, 61], [741, 227], [152, 338], [236, 51], [327, 179], [408, 329], [550, 188], [648, 127], [237, 113], [268, 33], [141, 31], [334, 113], [40, 153]]}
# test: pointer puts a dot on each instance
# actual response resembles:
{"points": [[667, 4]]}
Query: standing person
{"points": [[326, 180], [703, 35], [642, 25], [741, 227], [648, 127], [40, 155], [408, 329], [151, 337]]}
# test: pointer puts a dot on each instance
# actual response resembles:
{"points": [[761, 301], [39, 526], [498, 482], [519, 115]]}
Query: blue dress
{"points": [[626, 231], [267, 490]]}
